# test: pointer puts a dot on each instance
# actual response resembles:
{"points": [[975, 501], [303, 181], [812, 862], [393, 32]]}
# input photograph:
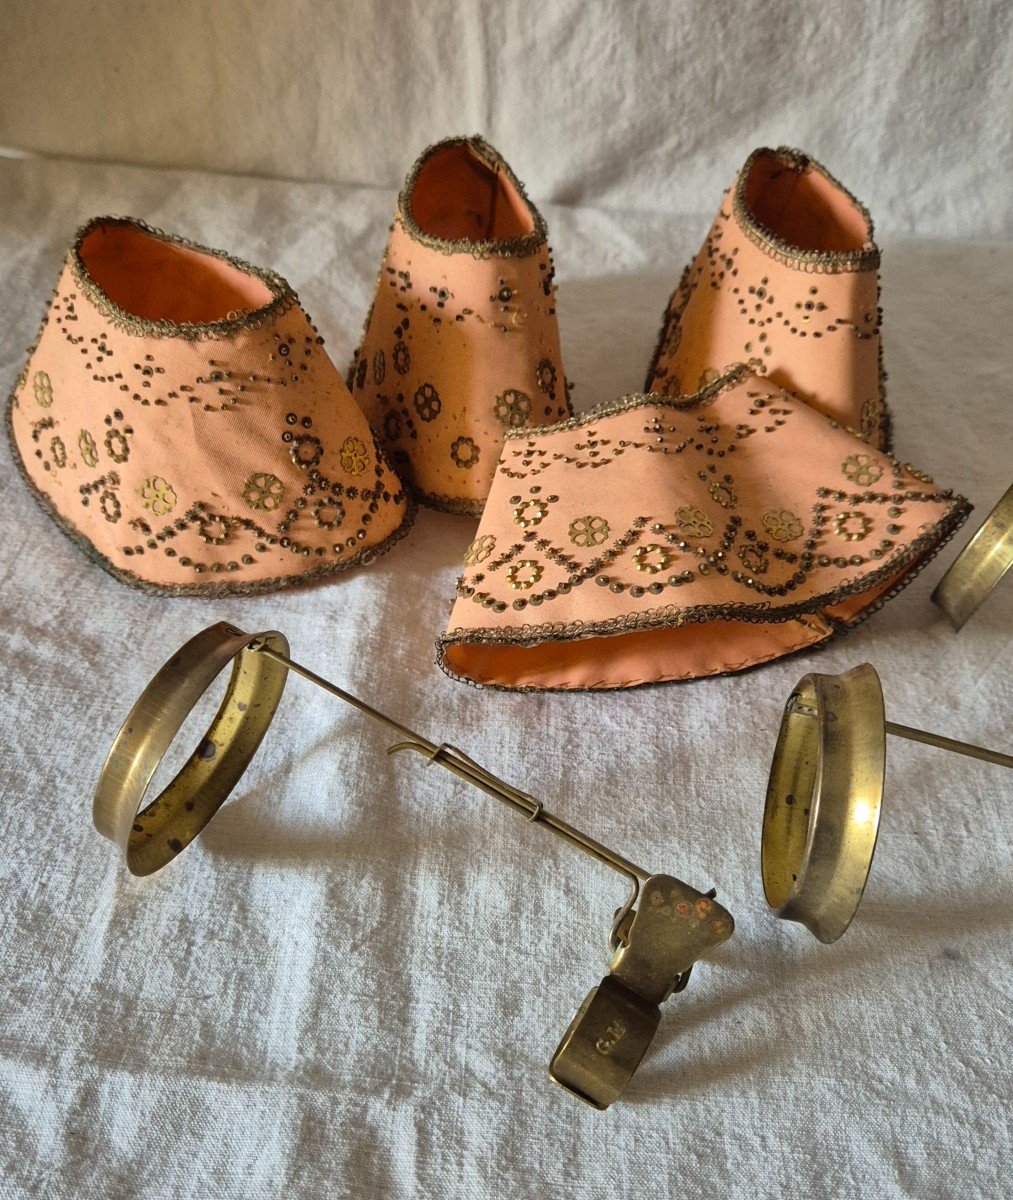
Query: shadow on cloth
{"points": [[897, 923], [245, 829]]}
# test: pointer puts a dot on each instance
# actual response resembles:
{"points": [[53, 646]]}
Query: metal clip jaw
{"points": [[654, 946], [658, 943]]}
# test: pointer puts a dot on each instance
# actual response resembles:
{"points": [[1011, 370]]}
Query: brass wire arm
{"points": [[658, 934], [464, 767], [926, 738], [945, 743]]}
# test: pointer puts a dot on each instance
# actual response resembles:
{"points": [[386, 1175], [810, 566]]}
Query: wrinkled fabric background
{"points": [[642, 104], [352, 984]]}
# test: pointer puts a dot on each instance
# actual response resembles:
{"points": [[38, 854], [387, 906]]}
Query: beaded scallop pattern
{"points": [[458, 349], [660, 513], [807, 323], [201, 464]]}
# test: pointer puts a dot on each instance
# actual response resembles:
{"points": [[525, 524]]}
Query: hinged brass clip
{"points": [[658, 943], [655, 944]]}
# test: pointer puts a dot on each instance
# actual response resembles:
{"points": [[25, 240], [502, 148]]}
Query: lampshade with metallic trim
{"points": [[787, 280], [461, 343], [181, 421], [667, 538]]}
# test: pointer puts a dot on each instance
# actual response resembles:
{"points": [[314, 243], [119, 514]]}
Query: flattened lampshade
{"points": [[668, 538], [461, 343], [786, 281], [180, 420]]}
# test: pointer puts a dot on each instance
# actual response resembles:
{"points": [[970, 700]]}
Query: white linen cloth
{"points": [[641, 104], [352, 983]]}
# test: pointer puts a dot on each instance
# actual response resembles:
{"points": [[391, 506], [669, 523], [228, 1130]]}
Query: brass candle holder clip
{"points": [[825, 794], [979, 567], [657, 935]]}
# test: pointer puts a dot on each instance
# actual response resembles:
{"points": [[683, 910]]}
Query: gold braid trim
{"points": [[284, 297]]}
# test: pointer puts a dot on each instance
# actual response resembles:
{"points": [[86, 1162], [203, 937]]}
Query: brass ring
{"points": [[978, 568], [823, 800], [152, 837]]}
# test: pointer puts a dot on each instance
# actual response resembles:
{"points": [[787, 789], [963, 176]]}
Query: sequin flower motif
{"points": [[721, 490], [753, 559], [530, 512], [427, 402], [589, 531], [852, 526], [306, 450], [512, 408], [43, 388], [401, 357], [861, 469], [263, 490], [158, 495], [479, 550], [213, 530], [89, 451], [117, 446], [464, 452], [353, 456], [524, 574], [692, 522], [651, 558], [110, 505], [328, 514], [782, 525]]}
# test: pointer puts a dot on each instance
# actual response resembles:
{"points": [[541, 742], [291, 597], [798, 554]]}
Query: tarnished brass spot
{"points": [[152, 837], [672, 927]]}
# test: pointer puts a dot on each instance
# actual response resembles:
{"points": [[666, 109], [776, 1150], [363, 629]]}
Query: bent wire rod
{"points": [[464, 767]]}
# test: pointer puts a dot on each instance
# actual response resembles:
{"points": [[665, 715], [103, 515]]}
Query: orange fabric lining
{"points": [[457, 195], [651, 656], [803, 207], [626, 660], [165, 281]]}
